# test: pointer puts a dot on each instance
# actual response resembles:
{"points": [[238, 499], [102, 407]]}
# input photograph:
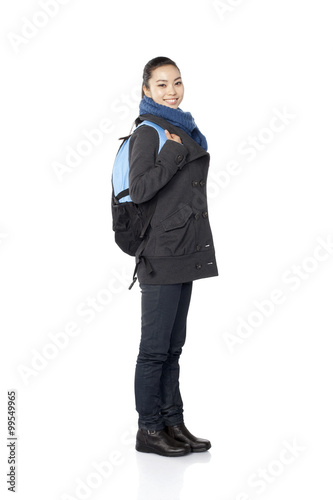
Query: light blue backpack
{"points": [[127, 219]]}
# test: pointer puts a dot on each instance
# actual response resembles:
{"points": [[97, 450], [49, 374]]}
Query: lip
{"points": [[171, 101]]}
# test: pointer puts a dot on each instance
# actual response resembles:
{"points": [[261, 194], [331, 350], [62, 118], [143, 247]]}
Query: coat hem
{"points": [[178, 269]]}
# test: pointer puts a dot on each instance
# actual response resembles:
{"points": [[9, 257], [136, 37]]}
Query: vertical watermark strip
{"points": [[11, 441]]}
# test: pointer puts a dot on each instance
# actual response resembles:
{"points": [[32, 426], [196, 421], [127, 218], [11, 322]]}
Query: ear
{"points": [[146, 91]]}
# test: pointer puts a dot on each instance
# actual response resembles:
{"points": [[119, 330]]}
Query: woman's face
{"points": [[165, 86]]}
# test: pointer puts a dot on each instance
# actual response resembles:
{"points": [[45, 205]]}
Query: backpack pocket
{"points": [[127, 225]]}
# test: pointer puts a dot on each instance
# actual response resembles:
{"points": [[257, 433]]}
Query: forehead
{"points": [[168, 72]]}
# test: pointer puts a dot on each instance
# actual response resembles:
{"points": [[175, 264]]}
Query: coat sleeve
{"points": [[149, 170]]}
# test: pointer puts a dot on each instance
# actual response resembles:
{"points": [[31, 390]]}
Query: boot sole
{"points": [[199, 450], [147, 449]]}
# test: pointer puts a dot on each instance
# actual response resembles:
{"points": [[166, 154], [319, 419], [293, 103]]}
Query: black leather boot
{"points": [[180, 433], [161, 443]]}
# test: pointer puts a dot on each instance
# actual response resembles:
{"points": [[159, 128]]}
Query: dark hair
{"points": [[149, 68]]}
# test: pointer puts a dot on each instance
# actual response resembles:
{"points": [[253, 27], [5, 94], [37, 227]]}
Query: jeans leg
{"points": [[171, 400], [159, 304]]}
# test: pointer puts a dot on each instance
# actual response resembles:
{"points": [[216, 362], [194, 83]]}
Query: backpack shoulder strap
{"points": [[160, 131]]}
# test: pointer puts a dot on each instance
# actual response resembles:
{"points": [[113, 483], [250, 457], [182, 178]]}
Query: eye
{"points": [[179, 83], [161, 85]]}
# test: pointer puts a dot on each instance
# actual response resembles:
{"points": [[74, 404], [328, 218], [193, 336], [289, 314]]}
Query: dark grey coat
{"points": [[180, 245]]}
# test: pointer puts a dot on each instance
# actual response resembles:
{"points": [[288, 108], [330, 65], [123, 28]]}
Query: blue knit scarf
{"points": [[178, 117]]}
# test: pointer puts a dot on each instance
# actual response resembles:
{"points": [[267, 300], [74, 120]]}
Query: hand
{"points": [[172, 137]]}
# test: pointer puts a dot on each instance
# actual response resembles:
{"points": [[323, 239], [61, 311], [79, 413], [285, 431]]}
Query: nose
{"points": [[171, 90]]}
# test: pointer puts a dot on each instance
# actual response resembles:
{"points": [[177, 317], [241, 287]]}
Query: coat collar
{"points": [[194, 149]]}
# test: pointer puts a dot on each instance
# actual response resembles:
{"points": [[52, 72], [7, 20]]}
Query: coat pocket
{"points": [[177, 219], [175, 234]]}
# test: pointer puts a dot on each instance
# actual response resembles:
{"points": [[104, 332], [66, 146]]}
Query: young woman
{"points": [[178, 250]]}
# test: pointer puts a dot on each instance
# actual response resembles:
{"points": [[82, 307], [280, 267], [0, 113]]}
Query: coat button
{"points": [[202, 183], [194, 183], [198, 248], [205, 215], [197, 216], [180, 158], [198, 266]]}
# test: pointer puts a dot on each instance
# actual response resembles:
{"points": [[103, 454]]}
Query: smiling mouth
{"points": [[171, 101]]}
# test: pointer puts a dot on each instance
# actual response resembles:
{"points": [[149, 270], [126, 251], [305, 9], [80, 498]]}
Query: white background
{"points": [[240, 61]]}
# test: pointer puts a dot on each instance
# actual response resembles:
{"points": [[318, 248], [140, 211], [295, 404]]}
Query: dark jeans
{"points": [[164, 311]]}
